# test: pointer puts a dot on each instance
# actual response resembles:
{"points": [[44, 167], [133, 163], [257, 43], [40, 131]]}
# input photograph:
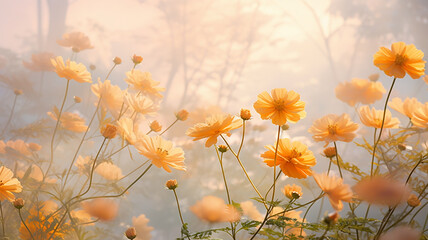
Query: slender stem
{"points": [[381, 128], [242, 139], [337, 159], [325, 232], [306, 213], [23, 222], [176, 120], [134, 170], [2, 219], [329, 166], [179, 211], [245, 171], [111, 70], [10, 115], [55, 130], [220, 158], [271, 186]]}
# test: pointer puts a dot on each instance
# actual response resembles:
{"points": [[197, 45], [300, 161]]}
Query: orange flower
{"points": [[15, 147], [105, 210], [213, 210], [420, 117], [382, 190], [78, 41], [373, 118], [294, 158], [71, 70], [141, 104], [111, 96], [70, 121], [359, 91], [335, 189], [292, 191], [248, 209], [126, 130], [8, 184], [214, 126], [40, 62], [141, 226], [283, 106], [161, 152], [109, 171], [407, 108], [82, 217], [331, 128], [142, 81], [401, 59]]}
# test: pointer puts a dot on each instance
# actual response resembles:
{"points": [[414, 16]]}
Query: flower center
{"points": [[162, 153], [332, 129], [295, 154], [278, 104], [400, 59]]}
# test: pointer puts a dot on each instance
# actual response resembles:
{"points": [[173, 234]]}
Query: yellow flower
{"points": [[401, 59], [78, 41], [294, 158], [126, 130], [335, 189], [331, 128], [111, 96], [8, 184], [161, 152], [292, 191], [281, 107], [155, 126], [109, 171], [40, 62], [143, 82], [213, 127], [71, 70], [70, 121], [420, 117], [141, 104], [359, 91], [373, 118], [407, 108], [382, 190], [213, 210]]}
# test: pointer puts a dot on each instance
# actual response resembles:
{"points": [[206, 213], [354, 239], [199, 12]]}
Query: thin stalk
{"points": [[23, 222], [55, 130], [2, 219], [176, 120], [242, 139], [381, 128], [337, 159], [179, 211], [10, 115]]}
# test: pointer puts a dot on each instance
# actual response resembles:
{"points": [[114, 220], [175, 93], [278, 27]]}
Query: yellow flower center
{"points": [[400, 59], [332, 129], [162, 153], [278, 104], [295, 154]]}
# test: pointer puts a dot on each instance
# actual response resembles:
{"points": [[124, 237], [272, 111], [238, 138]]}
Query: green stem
{"points": [[381, 128], [179, 211], [23, 222], [242, 139], [337, 159]]}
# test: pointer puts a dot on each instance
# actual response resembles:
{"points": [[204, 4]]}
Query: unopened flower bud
{"points": [[77, 99], [109, 131], [155, 126], [34, 147], [18, 203], [331, 218], [137, 59], [401, 146], [413, 201], [75, 49], [182, 115], [374, 77], [222, 148], [245, 114], [295, 195], [92, 67], [117, 60], [330, 152], [131, 233], [285, 127], [171, 184], [17, 91]]}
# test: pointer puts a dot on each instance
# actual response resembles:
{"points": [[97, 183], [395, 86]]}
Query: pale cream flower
{"points": [[36, 174], [40, 62], [126, 130], [70, 121], [71, 70], [109, 171], [78, 41], [103, 209], [359, 91], [17, 147], [140, 224], [420, 117], [111, 96], [250, 210], [373, 118], [143, 82], [141, 104], [407, 108], [82, 217], [82, 164]]}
